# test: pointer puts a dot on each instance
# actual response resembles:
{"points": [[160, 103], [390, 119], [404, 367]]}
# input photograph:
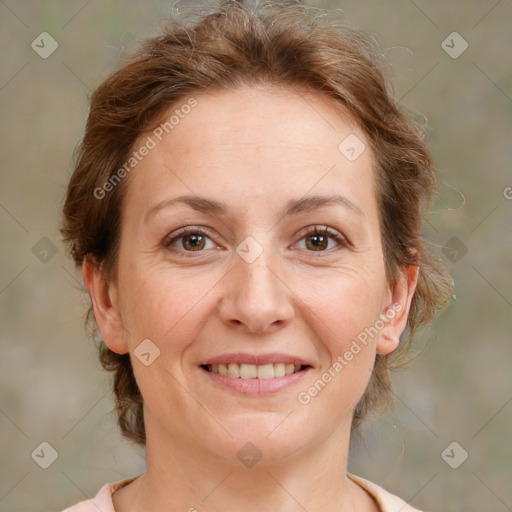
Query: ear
{"points": [[396, 311], [104, 297]]}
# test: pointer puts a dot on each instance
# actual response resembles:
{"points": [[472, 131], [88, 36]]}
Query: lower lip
{"points": [[256, 386]]}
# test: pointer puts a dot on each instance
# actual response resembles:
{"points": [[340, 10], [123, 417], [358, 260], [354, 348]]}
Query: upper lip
{"points": [[256, 359]]}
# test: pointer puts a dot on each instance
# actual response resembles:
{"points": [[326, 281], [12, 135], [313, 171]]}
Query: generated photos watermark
{"points": [[150, 143], [304, 397]]}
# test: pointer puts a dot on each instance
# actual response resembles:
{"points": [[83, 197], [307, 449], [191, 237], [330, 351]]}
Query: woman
{"points": [[246, 210]]}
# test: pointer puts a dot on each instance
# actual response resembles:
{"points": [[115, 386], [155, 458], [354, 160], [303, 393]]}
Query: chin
{"points": [[259, 438]]}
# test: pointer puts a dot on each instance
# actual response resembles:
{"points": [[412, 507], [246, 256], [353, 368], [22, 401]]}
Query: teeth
{"points": [[279, 370], [266, 371], [248, 371], [252, 371], [233, 370]]}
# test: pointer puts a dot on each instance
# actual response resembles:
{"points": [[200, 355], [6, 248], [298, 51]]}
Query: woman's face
{"points": [[252, 284]]}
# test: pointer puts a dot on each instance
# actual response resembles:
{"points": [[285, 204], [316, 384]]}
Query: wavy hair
{"points": [[231, 45]]}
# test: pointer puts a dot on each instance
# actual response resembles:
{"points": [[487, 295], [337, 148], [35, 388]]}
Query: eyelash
{"points": [[309, 231]]}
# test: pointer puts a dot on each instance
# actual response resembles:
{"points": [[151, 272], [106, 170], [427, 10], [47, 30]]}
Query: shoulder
{"points": [[102, 501], [387, 502]]}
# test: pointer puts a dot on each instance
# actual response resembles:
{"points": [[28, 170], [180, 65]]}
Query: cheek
{"points": [[342, 304], [342, 311], [169, 310], [163, 306]]}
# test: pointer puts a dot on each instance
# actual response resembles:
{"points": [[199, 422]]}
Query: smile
{"points": [[253, 371], [252, 379]]}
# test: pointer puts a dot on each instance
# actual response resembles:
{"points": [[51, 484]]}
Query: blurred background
{"points": [[448, 445]]}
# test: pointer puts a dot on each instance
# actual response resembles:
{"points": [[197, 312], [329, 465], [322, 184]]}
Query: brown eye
{"points": [[193, 242], [317, 242], [188, 240], [322, 239]]}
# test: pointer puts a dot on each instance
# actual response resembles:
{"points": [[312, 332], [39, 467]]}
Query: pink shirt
{"points": [[386, 501]]}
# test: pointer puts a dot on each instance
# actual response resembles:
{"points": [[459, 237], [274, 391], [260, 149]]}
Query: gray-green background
{"points": [[459, 389]]}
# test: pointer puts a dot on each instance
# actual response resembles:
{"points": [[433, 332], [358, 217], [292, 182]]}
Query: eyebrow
{"points": [[293, 207]]}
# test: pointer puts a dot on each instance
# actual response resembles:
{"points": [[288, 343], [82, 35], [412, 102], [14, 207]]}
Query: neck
{"points": [[188, 478]]}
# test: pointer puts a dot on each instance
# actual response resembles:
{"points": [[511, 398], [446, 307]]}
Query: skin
{"points": [[255, 149]]}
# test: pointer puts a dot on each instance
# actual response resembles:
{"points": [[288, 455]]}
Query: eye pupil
{"points": [[195, 242], [318, 242]]}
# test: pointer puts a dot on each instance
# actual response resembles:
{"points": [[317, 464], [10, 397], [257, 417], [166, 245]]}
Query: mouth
{"points": [[255, 374], [253, 371]]}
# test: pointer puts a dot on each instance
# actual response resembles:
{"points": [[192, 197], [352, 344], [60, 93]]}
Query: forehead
{"points": [[255, 142], [259, 116]]}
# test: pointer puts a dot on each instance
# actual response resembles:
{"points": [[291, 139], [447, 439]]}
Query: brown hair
{"points": [[231, 46]]}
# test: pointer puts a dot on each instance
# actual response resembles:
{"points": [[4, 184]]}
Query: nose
{"points": [[256, 298]]}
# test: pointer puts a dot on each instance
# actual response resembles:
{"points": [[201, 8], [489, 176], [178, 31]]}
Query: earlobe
{"points": [[387, 344], [397, 312], [104, 298]]}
